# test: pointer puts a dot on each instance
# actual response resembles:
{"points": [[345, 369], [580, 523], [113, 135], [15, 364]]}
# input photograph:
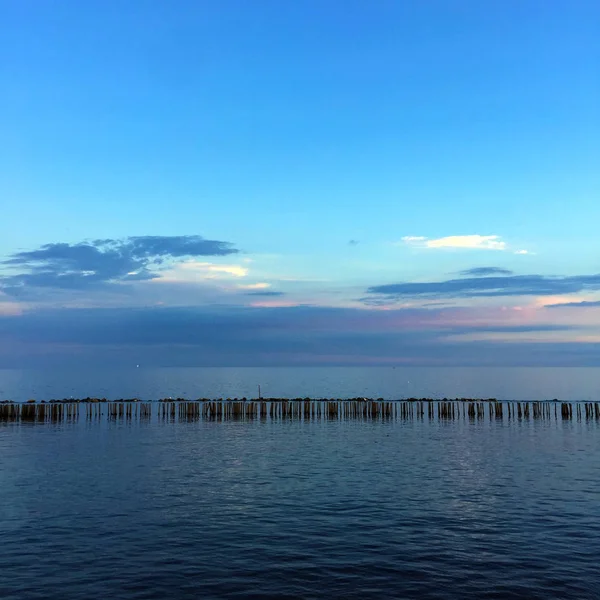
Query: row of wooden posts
{"points": [[303, 409]]}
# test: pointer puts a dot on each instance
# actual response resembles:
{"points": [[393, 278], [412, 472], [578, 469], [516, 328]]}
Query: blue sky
{"points": [[306, 166]]}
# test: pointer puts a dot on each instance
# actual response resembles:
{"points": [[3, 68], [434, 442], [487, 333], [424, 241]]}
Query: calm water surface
{"points": [[338, 509], [387, 382]]}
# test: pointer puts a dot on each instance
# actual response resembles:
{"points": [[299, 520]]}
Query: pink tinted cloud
{"points": [[366, 320]]}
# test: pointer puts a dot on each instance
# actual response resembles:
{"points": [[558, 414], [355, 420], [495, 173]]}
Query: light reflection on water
{"points": [[352, 509]]}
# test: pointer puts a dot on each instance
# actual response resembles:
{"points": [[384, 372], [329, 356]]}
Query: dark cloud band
{"points": [[583, 304], [485, 272], [473, 287], [239, 336]]}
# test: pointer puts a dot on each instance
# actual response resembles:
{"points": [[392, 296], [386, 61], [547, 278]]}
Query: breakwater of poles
{"points": [[300, 409]]}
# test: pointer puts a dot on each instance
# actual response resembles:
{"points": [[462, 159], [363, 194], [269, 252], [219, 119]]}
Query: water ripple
{"points": [[314, 510]]}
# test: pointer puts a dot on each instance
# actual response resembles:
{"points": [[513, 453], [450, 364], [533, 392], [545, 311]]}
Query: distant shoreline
{"points": [[93, 400]]}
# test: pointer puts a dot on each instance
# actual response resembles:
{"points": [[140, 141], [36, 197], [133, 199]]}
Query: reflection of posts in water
{"points": [[302, 409]]}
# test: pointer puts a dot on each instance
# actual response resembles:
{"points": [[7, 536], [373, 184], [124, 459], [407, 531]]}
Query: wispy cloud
{"points": [[473, 287], [414, 239], [582, 304], [464, 242], [195, 270], [270, 293], [485, 271], [254, 286], [234, 270]]}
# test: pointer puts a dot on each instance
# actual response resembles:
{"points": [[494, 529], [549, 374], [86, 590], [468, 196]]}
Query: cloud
{"points": [[264, 293], [149, 246], [91, 264], [474, 287], [234, 270], [194, 270], [465, 242], [486, 271], [254, 286], [268, 336], [199, 325], [522, 252], [582, 304]]}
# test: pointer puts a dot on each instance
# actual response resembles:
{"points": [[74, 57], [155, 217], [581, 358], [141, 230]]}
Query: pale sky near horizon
{"points": [[300, 182]]}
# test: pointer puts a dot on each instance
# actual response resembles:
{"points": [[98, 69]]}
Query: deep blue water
{"points": [[387, 382], [319, 509]]}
